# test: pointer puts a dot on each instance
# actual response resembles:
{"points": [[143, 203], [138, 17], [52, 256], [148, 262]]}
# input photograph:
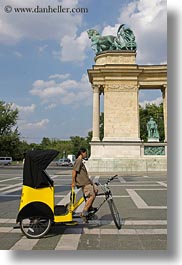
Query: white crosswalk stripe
{"points": [[70, 239], [25, 244]]}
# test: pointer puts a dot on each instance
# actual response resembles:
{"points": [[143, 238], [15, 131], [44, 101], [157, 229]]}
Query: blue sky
{"points": [[44, 59]]}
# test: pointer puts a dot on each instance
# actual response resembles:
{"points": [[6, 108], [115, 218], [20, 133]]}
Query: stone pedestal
{"points": [[150, 140]]}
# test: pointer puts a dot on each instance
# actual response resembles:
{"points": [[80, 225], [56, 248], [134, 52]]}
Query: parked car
{"points": [[5, 160], [64, 162]]}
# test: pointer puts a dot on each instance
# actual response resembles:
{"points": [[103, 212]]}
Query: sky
{"points": [[44, 59]]}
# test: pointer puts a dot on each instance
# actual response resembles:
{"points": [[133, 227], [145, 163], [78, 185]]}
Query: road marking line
{"points": [[10, 195], [130, 222], [11, 186], [10, 221], [25, 244], [162, 184], [139, 202], [121, 179], [6, 229], [70, 239], [133, 184], [11, 190], [4, 180], [125, 231], [151, 189]]}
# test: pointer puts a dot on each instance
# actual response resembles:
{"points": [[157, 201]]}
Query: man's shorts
{"points": [[90, 190]]}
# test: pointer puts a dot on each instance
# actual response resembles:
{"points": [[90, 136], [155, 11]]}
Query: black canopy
{"points": [[36, 162]]}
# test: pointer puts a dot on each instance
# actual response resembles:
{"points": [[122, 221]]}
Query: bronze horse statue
{"points": [[125, 40]]}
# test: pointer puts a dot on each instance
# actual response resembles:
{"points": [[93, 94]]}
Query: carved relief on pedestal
{"points": [[124, 58], [120, 87]]}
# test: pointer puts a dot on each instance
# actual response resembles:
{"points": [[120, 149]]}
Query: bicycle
{"points": [[108, 197]]}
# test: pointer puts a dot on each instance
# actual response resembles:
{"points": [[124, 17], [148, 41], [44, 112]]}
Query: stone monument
{"points": [[119, 78]]}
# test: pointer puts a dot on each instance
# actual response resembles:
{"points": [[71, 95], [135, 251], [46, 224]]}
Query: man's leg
{"points": [[89, 203], [90, 194]]}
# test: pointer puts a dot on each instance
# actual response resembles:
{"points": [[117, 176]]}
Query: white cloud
{"points": [[31, 130], [66, 92], [73, 48], [59, 76], [148, 20], [18, 54], [51, 106], [109, 30], [24, 111], [40, 26], [26, 127], [156, 101], [38, 125], [42, 48]]}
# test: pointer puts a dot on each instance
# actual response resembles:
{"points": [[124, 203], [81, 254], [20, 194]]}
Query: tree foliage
{"points": [[9, 136], [101, 126]]}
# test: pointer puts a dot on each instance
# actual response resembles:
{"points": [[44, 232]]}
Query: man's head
{"points": [[82, 152]]}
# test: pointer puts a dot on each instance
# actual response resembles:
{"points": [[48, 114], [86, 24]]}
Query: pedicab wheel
{"points": [[114, 213], [35, 227]]}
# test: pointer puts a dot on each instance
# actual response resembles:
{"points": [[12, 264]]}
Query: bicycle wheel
{"points": [[114, 213], [35, 227]]}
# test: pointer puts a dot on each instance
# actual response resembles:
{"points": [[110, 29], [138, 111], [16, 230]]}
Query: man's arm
{"points": [[73, 178]]}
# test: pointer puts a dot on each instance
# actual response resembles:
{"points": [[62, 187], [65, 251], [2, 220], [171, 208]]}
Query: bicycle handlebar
{"points": [[107, 182], [111, 178]]}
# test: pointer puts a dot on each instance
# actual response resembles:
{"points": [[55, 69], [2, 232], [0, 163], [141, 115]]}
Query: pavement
{"points": [[141, 200]]}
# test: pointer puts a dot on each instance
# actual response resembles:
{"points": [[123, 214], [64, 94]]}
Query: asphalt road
{"points": [[141, 201]]}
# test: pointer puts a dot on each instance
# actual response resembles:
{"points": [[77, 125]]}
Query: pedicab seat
{"points": [[61, 209]]}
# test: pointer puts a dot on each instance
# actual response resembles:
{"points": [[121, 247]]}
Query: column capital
{"points": [[95, 88], [164, 90], [98, 88]]}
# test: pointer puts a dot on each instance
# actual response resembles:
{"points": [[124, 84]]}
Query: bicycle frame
{"points": [[74, 204]]}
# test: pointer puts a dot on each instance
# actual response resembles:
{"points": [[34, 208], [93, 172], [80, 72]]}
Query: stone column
{"points": [[138, 111], [164, 94], [96, 113]]}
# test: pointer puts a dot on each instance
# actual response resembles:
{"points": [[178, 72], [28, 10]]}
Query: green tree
{"points": [[88, 140], [46, 143], [78, 142], [23, 147], [9, 136], [101, 126]]}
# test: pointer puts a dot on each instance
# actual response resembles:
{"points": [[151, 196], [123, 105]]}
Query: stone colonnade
{"points": [[119, 78], [97, 90]]}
